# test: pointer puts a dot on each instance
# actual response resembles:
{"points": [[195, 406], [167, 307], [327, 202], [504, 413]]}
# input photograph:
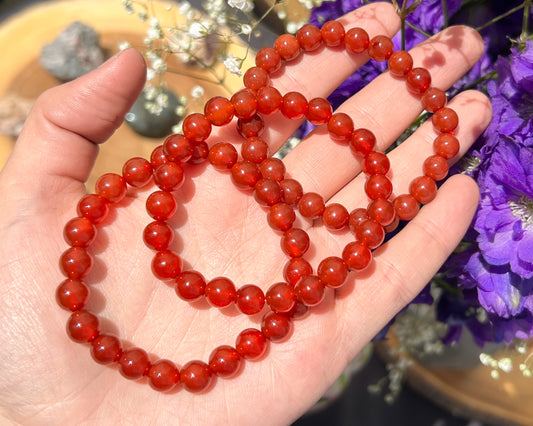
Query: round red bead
{"points": [[357, 216], [93, 207], [166, 265], [310, 290], [244, 103], [72, 294], [332, 33], [406, 206], [161, 205], [254, 149], [158, 156], [196, 127], [423, 188], [400, 63], [376, 163], [79, 231], [433, 99], [196, 376], [269, 100], [446, 145], [111, 186], [340, 127], [272, 168], [199, 154], [436, 167], [137, 171], [370, 233], [333, 271], [309, 37], [380, 48], [169, 176], [269, 59], [418, 81], [158, 235], [311, 205], [75, 262], [292, 191], [335, 216], [280, 297], [356, 40], [275, 326], [295, 242], [163, 375], [319, 111], [255, 78], [134, 363], [251, 344], [82, 326], [281, 217], [382, 211], [178, 148], [190, 285], [294, 105], [295, 269], [250, 299], [378, 186], [357, 255], [248, 127], [220, 292], [267, 192], [362, 141], [245, 174], [225, 361], [223, 156], [445, 120], [219, 110], [106, 349], [287, 46]]}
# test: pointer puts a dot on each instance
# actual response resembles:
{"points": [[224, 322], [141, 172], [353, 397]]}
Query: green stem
{"points": [[418, 30], [525, 20], [445, 13], [503, 15], [488, 76]]}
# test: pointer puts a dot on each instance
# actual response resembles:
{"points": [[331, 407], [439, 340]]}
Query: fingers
{"points": [[318, 73], [60, 135], [405, 264], [474, 111], [386, 108]]}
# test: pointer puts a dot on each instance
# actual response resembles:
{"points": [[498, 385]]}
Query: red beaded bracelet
{"points": [[265, 178]]}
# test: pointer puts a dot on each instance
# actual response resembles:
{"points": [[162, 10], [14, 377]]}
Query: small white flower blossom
{"points": [[197, 30], [184, 8], [181, 111], [143, 16], [124, 45], [237, 4], [233, 64], [197, 91], [246, 29], [154, 33], [159, 66], [150, 74]]}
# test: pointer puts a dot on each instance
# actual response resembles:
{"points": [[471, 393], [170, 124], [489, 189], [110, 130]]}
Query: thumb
{"points": [[58, 144]]}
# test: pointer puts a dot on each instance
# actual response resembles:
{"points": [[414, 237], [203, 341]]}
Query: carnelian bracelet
{"points": [[265, 177]]}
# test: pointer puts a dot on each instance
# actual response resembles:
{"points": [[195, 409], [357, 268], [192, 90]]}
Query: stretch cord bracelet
{"points": [[282, 196]]}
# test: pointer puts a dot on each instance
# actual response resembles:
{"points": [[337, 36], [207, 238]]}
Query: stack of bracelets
{"points": [[265, 177]]}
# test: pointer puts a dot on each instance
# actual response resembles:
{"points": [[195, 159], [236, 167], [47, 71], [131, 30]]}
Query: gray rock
{"points": [[75, 52]]}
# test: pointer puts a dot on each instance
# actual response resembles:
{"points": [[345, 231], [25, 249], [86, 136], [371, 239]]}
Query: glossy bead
{"points": [[220, 292], [72, 294], [178, 148], [356, 255], [280, 297], [287, 46], [111, 186], [250, 299], [106, 349], [166, 265], [340, 127], [319, 111], [254, 149], [446, 145], [380, 48], [309, 37], [134, 363], [269, 100], [436, 167], [169, 176], [382, 211], [292, 191], [255, 78], [275, 326], [332, 271], [418, 81], [406, 206], [332, 33], [294, 105], [163, 375], [158, 156], [219, 111], [356, 217], [225, 361], [244, 103], [433, 99], [295, 242], [370, 233], [310, 290], [269, 59], [272, 168], [75, 262], [251, 344], [295, 269], [199, 154], [376, 163], [249, 127], [378, 186], [190, 285], [423, 188], [245, 174], [137, 172], [281, 217], [83, 326], [93, 207], [311, 205], [161, 205], [356, 40], [362, 141], [400, 63], [393, 225], [335, 216], [196, 127], [158, 235], [79, 231], [445, 120], [195, 376], [267, 192], [223, 156]]}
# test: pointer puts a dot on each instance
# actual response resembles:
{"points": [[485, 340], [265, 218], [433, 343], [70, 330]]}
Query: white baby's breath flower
{"points": [[128, 6], [197, 30], [154, 22], [184, 8], [246, 29], [150, 92], [124, 45], [237, 4], [233, 64], [159, 65], [197, 91], [143, 16], [150, 74], [181, 111], [154, 33]]}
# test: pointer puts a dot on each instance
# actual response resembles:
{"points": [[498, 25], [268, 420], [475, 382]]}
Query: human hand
{"points": [[50, 380]]}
